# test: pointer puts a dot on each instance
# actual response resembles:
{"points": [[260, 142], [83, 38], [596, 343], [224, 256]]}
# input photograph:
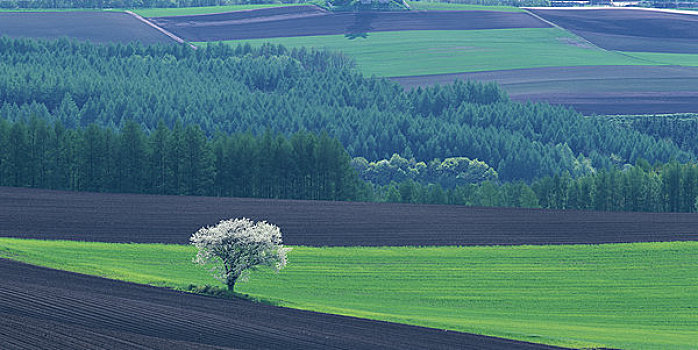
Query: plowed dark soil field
{"points": [[591, 89], [100, 27], [98, 217], [47, 309], [629, 29], [311, 20]]}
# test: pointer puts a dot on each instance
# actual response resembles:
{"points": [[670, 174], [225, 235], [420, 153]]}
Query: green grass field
{"points": [[445, 6], [406, 53], [678, 59], [632, 296]]}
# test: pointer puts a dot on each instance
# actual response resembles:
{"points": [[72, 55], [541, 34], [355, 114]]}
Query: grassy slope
{"points": [[436, 52], [678, 59], [444, 6], [640, 296]]}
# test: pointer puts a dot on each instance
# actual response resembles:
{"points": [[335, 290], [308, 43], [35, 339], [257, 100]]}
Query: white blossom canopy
{"points": [[233, 247]]}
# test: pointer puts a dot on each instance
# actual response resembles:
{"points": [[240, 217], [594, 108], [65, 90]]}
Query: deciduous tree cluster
{"points": [[669, 187]]}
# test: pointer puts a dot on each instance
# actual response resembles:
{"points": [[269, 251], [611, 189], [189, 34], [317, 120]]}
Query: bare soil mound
{"points": [[48, 309], [31, 213], [628, 29], [99, 27], [310, 20], [591, 89]]}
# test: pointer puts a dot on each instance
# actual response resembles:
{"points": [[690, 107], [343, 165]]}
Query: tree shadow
{"points": [[352, 36], [361, 26]]}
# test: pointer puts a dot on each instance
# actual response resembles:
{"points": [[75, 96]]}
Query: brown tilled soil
{"points": [[47, 214], [591, 89], [47, 309], [629, 29], [310, 20], [100, 27]]}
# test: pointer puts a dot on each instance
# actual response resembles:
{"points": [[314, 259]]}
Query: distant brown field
{"points": [[591, 89], [311, 20], [99, 27], [629, 29], [100, 217]]}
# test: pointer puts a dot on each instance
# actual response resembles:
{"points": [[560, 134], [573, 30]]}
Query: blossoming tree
{"points": [[233, 247]]}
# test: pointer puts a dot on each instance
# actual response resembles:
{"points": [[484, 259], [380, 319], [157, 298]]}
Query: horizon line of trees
{"points": [[177, 161], [184, 161]]}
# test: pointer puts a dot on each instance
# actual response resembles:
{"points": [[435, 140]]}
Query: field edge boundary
{"points": [[161, 30]]}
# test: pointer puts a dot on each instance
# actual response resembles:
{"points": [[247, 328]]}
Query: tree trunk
{"points": [[231, 284]]}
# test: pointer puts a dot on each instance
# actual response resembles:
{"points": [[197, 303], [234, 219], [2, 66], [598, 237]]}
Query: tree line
{"points": [[184, 161], [671, 187], [240, 89], [177, 161]]}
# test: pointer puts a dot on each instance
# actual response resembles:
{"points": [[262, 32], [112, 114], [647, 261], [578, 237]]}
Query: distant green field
{"points": [[406, 53], [631, 296], [678, 59], [445, 6], [182, 11]]}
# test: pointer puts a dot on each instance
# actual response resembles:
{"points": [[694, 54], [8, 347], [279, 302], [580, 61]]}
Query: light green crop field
{"points": [[406, 53], [678, 59], [182, 11], [631, 296], [445, 6]]}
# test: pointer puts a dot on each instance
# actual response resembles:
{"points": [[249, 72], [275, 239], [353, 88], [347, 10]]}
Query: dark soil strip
{"points": [[99, 27], [591, 89], [310, 20], [47, 309], [628, 29], [46, 214]]}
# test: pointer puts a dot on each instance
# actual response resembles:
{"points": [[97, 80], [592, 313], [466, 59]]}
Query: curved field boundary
{"points": [[99, 27], [629, 29], [42, 308], [30, 213], [591, 89], [311, 20]]}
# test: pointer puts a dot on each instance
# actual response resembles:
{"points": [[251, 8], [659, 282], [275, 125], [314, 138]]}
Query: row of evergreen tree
{"points": [[252, 89], [181, 160], [669, 187]]}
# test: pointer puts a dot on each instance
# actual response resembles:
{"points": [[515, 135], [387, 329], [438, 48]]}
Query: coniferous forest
{"points": [[272, 122]]}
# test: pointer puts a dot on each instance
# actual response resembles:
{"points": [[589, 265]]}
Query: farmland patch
{"points": [[42, 308], [613, 296], [313, 21], [592, 89], [408, 53], [628, 29], [105, 217], [99, 27]]}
